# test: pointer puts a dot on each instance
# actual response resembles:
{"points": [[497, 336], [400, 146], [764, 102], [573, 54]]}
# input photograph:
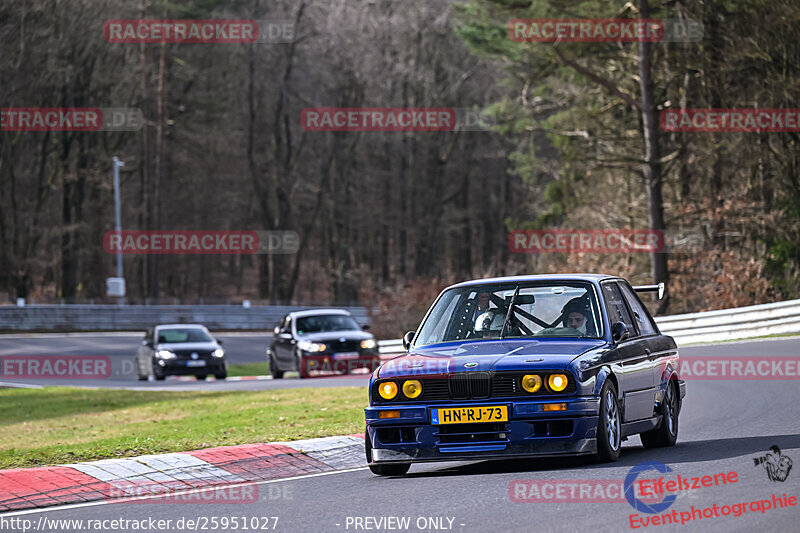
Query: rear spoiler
{"points": [[660, 288]]}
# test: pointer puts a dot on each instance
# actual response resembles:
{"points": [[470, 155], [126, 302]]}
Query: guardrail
{"points": [[87, 317], [779, 318]]}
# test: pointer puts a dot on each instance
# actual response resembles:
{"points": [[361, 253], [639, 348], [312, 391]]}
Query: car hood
{"points": [[325, 336], [494, 355], [186, 346]]}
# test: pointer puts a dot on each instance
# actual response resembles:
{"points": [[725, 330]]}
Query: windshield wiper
{"points": [[510, 311]]}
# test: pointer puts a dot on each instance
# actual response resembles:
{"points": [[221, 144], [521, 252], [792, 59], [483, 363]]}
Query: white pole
{"points": [[117, 164]]}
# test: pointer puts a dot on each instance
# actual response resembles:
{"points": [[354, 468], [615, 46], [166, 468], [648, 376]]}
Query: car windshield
{"points": [[541, 309], [321, 323], [170, 336]]}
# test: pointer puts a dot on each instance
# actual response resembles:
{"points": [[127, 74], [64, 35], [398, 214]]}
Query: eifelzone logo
{"points": [[776, 464]]}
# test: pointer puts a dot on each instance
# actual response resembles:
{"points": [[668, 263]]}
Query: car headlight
{"points": [[387, 390], [531, 383], [219, 352], [557, 382], [368, 344], [412, 388], [165, 354], [311, 346]]}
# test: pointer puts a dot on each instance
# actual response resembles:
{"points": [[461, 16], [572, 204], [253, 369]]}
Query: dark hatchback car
{"points": [[321, 342], [180, 349], [527, 366]]}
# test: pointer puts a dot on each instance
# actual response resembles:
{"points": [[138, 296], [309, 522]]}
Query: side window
{"points": [[617, 310], [640, 314], [287, 326]]}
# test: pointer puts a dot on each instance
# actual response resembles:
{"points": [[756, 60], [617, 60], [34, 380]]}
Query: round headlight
{"points": [[531, 383], [368, 344], [557, 382], [412, 388], [311, 346], [219, 352], [387, 390]]}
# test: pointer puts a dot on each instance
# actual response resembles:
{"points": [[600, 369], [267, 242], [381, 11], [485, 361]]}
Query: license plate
{"points": [[195, 363], [469, 415], [346, 355]]}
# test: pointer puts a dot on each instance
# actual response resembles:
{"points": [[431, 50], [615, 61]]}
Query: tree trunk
{"points": [[652, 158]]}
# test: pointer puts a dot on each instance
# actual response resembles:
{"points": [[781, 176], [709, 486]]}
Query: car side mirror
{"points": [[219, 341], [408, 338], [619, 332], [366, 327]]}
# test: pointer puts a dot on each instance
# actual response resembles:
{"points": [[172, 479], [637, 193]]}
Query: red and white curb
{"points": [[228, 466], [232, 378]]}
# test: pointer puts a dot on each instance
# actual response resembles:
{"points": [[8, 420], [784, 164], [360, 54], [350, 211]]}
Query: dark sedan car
{"points": [[319, 342], [180, 349], [526, 366]]}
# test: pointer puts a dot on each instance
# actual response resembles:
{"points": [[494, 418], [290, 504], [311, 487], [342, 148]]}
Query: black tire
{"points": [[609, 425], [396, 469], [273, 369], [201, 377], [666, 434], [221, 375], [158, 372], [141, 378]]}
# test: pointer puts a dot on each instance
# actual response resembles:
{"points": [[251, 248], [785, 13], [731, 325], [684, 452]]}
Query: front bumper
{"points": [[179, 367], [529, 432]]}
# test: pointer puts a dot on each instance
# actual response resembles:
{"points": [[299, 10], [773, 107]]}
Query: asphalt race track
{"points": [[121, 347], [724, 426]]}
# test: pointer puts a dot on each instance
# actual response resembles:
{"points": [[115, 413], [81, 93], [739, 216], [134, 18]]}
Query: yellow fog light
{"points": [[389, 414], [412, 388], [531, 383], [554, 407], [557, 382], [387, 390]]}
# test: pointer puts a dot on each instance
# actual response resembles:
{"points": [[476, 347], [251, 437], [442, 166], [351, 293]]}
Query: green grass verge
{"points": [[249, 369], [63, 425]]}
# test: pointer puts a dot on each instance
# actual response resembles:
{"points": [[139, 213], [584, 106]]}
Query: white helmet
{"points": [[489, 321]]}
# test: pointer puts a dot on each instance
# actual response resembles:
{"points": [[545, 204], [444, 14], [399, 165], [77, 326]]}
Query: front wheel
{"points": [[667, 433], [158, 372], [221, 375], [609, 426], [397, 469], [274, 371]]}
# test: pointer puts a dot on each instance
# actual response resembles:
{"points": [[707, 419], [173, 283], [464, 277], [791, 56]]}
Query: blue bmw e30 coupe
{"points": [[526, 366]]}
